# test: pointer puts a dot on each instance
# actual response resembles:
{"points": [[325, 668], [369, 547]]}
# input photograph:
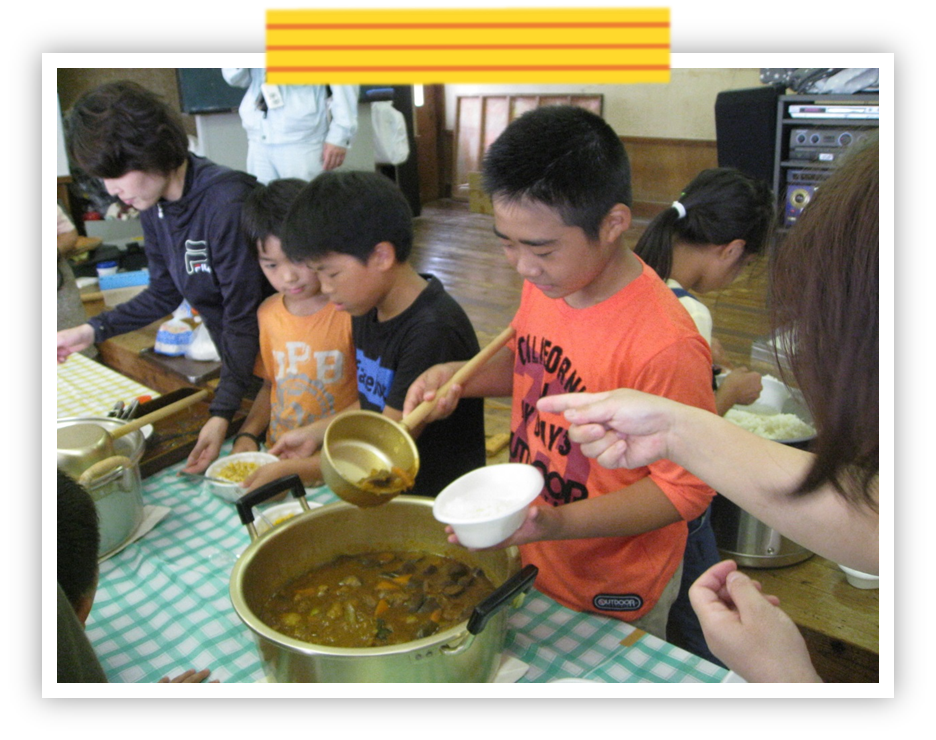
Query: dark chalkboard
{"points": [[204, 90]]}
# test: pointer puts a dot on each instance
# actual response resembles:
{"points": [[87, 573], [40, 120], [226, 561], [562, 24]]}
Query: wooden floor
{"points": [[459, 247]]}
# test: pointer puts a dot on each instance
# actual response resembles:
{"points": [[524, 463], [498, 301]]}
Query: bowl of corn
{"points": [[236, 469]]}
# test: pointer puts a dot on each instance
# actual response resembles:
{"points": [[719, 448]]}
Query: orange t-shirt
{"points": [[309, 361], [640, 338]]}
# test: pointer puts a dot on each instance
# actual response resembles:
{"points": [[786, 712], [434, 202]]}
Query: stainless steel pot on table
{"points": [[114, 483], [467, 652], [747, 540]]}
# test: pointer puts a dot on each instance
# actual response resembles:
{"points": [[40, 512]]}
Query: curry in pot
{"points": [[376, 599]]}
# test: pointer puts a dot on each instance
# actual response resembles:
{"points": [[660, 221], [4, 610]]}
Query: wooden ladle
{"points": [[367, 458], [82, 445]]}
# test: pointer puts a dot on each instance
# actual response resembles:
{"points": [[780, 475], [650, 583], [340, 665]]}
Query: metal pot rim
{"points": [[135, 439]]}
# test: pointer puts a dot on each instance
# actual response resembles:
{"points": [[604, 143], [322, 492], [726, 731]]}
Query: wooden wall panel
{"points": [[469, 125], [495, 119], [428, 133], [480, 119], [661, 168]]}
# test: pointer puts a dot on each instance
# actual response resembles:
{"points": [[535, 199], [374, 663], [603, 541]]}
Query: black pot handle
{"points": [[265, 492], [517, 584]]}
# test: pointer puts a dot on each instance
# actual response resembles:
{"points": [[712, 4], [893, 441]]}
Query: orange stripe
{"points": [[511, 68], [467, 47], [397, 26]]}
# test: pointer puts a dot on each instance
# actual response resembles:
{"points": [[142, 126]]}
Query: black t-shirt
{"points": [[392, 354]]}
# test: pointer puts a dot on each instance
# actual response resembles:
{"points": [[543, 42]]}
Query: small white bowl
{"points": [[772, 398], [279, 513], [489, 504], [858, 579], [232, 491], [773, 393]]}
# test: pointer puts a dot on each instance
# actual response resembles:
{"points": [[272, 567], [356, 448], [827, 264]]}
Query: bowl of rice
{"points": [[776, 426], [779, 414], [236, 469], [489, 504]]}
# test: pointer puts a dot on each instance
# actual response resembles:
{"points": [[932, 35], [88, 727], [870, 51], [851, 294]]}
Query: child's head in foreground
{"points": [[565, 158], [78, 541]]}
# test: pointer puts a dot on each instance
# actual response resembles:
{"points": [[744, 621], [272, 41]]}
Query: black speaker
{"points": [[746, 130]]}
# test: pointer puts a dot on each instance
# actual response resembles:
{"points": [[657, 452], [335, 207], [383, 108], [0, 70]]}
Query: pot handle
{"points": [[265, 492], [102, 468], [517, 584]]}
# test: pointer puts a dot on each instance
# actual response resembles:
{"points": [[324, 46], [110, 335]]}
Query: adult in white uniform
{"points": [[294, 130]]}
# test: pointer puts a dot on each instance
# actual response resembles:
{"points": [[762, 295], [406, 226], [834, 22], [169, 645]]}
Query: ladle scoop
{"points": [[82, 445], [368, 458]]}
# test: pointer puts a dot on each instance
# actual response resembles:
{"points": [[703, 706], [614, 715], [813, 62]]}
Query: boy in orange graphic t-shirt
{"points": [[592, 317]]}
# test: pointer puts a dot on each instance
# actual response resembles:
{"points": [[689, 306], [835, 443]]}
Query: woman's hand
{"points": [[73, 340], [621, 428], [208, 446], [747, 630]]}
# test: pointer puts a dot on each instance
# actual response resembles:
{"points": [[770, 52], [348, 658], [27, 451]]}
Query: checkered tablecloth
{"points": [[163, 606], [88, 388]]}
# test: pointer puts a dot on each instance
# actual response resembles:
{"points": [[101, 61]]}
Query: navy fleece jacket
{"points": [[195, 250]]}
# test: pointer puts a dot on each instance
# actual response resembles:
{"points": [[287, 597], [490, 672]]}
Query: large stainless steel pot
{"points": [[117, 490], [468, 652], [747, 540]]}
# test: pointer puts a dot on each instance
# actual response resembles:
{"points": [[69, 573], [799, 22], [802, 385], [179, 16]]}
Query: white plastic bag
{"points": [[391, 145], [202, 348]]}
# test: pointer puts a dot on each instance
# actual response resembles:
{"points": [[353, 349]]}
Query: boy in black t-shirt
{"points": [[356, 227]]}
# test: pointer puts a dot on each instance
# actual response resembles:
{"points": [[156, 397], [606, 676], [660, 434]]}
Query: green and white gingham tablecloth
{"points": [[163, 606]]}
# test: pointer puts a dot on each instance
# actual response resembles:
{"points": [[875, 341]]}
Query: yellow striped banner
{"points": [[591, 46]]}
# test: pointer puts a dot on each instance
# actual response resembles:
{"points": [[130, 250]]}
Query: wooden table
{"points": [[125, 354], [176, 436]]}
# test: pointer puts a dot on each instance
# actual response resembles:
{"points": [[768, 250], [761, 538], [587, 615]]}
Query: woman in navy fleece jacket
{"points": [[190, 213]]}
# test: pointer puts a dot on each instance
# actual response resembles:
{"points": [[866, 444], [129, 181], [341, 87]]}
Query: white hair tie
{"points": [[680, 209]]}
